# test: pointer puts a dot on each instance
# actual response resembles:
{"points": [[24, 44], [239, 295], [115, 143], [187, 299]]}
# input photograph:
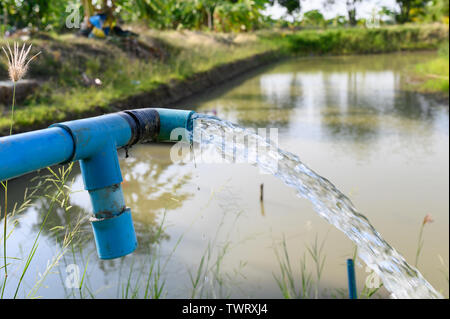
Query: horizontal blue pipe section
{"points": [[92, 134], [96, 142], [173, 119], [28, 152]]}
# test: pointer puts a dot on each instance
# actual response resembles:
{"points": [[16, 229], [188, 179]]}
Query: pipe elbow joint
{"points": [[158, 124]]}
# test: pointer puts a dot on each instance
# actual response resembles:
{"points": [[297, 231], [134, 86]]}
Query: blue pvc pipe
{"points": [[352, 291], [28, 152], [94, 142], [108, 200], [93, 133], [114, 237], [170, 120]]}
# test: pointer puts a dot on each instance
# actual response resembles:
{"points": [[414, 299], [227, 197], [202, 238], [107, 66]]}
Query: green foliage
{"points": [[351, 11], [313, 18], [434, 75], [42, 14], [290, 5], [410, 10], [350, 7], [219, 15], [232, 15], [224, 15], [437, 11], [338, 21], [243, 15], [360, 41], [122, 76]]}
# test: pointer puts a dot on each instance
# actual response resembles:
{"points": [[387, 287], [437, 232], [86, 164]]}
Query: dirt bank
{"points": [[165, 95], [177, 90], [164, 68]]}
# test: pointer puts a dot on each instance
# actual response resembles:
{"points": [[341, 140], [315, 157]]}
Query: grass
{"points": [[209, 280], [286, 280], [309, 285], [305, 284], [363, 41], [65, 58], [56, 188], [433, 76]]}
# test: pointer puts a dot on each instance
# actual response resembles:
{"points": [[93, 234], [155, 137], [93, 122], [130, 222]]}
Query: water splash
{"points": [[399, 278]]}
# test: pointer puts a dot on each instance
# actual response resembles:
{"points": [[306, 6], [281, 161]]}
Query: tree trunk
{"points": [[352, 17], [209, 13], [5, 20], [404, 12], [351, 11], [408, 8]]}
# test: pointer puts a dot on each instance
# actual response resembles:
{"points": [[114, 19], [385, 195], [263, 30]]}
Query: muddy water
{"points": [[351, 119]]}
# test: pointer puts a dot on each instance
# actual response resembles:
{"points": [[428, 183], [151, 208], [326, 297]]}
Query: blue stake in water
{"points": [[94, 143], [351, 279]]}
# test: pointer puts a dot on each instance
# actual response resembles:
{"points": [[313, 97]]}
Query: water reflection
{"points": [[152, 186], [268, 102], [352, 97]]}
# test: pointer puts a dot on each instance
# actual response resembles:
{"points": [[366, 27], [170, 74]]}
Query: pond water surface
{"points": [[351, 119]]}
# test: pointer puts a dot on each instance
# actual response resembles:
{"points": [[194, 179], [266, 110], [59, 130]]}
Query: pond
{"points": [[351, 119]]}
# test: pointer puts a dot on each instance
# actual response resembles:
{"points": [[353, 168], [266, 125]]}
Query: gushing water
{"points": [[399, 278]]}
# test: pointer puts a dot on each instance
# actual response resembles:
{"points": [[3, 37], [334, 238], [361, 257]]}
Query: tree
{"points": [[241, 15], [406, 6], [231, 15], [34, 13], [351, 9], [314, 18], [437, 10], [292, 6]]}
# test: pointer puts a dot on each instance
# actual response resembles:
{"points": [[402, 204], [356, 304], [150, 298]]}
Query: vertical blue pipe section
{"points": [[96, 142], [107, 201], [112, 225], [27, 152], [114, 237], [351, 279]]}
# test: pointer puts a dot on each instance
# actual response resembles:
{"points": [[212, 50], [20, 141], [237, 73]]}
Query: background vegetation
{"points": [[220, 15]]}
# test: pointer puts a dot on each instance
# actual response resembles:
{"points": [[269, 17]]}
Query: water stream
{"points": [[233, 143]]}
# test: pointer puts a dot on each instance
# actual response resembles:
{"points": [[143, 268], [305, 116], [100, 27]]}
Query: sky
{"points": [[363, 9]]}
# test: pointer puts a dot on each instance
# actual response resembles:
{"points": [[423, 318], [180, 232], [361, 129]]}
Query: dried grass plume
{"points": [[428, 219], [17, 60]]}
